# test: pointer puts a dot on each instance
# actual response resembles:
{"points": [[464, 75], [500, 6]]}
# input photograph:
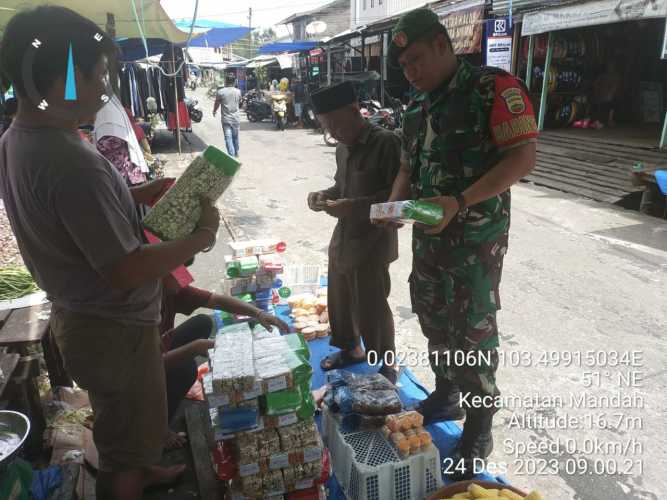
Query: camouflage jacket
{"points": [[451, 138]]}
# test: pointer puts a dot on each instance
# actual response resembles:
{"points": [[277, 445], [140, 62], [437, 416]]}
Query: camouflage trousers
{"points": [[456, 307]]}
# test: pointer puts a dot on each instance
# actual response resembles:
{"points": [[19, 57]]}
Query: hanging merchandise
{"points": [[173, 88], [539, 49], [567, 114], [538, 76]]}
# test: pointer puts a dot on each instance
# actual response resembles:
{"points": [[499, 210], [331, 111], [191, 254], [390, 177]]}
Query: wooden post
{"points": [[363, 53], [382, 68], [529, 66], [110, 27], [178, 118], [516, 42], [329, 67], [545, 82]]}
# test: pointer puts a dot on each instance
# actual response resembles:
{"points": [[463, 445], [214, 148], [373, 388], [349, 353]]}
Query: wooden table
{"points": [[19, 330]]}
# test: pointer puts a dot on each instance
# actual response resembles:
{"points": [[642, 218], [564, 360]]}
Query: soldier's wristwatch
{"points": [[461, 200]]}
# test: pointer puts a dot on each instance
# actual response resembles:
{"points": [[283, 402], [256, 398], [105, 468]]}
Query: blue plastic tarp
{"points": [[280, 47], [445, 435], [219, 34], [132, 49]]}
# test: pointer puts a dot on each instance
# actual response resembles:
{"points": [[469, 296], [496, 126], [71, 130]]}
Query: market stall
{"points": [[262, 409], [596, 77]]}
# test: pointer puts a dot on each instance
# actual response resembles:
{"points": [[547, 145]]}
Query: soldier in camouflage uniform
{"points": [[467, 137]]}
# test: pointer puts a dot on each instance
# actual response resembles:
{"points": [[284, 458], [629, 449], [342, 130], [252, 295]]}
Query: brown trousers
{"points": [[358, 308], [121, 367]]}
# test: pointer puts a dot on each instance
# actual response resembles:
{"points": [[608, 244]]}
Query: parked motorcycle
{"points": [[310, 118], [280, 110], [249, 96], [258, 110], [196, 114]]}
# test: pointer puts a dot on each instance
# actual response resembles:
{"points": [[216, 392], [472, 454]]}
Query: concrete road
{"points": [[583, 320]]}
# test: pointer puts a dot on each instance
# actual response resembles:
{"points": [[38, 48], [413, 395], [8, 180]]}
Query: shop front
{"points": [[597, 81]]}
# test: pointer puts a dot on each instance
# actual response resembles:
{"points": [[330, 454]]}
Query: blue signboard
{"points": [[498, 43]]}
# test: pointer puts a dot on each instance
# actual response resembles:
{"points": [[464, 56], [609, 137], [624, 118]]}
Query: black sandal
{"points": [[340, 359]]}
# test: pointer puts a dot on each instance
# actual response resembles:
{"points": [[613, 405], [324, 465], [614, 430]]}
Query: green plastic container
{"points": [[246, 266]]}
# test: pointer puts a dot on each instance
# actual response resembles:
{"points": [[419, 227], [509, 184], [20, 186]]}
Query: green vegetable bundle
{"points": [[16, 282]]}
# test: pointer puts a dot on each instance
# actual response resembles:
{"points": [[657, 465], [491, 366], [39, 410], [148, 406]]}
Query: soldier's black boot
{"points": [[442, 404], [476, 444]]}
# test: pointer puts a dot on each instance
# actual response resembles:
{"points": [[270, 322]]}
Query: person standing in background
{"points": [[229, 98], [299, 92]]}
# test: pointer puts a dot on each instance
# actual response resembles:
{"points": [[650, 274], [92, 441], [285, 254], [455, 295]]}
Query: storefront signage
{"points": [[499, 43], [465, 29], [591, 14]]}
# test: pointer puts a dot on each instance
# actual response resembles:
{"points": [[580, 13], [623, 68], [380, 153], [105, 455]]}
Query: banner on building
{"points": [[591, 14], [465, 29], [498, 43]]}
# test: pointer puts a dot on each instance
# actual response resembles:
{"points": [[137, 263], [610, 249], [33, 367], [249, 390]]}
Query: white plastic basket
{"points": [[368, 467], [301, 278]]}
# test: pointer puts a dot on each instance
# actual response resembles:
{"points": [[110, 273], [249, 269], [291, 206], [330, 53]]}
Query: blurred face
{"points": [[425, 64], [344, 124], [92, 87], [89, 91]]}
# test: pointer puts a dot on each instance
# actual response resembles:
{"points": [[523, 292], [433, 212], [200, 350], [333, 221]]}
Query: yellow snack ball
{"points": [[510, 495], [386, 432], [533, 495], [478, 492], [425, 438], [398, 437], [393, 422]]}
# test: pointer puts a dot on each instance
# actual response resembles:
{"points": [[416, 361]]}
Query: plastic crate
{"points": [[368, 467], [301, 278]]}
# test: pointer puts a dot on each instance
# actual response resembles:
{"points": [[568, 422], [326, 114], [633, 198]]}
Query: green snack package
{"points": [[423, 211], [297, 400], [176, 214], [299, 366], [298, 344], [409, 211]]}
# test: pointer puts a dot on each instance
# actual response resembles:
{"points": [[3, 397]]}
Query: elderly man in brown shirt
{"points": [[367, 159]]}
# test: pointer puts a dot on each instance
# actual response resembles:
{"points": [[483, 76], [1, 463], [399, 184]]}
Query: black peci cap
{"points": [[334, 97]]}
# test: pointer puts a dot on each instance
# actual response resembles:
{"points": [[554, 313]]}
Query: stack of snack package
{"points": [[261, 407], [371, 402], [310, 314], [252, 270]]}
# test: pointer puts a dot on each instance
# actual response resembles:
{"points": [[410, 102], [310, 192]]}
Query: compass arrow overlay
{"points": [[70, 82]]}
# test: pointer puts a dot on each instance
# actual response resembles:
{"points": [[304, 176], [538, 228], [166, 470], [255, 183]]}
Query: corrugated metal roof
{"points": [[501, 7]]}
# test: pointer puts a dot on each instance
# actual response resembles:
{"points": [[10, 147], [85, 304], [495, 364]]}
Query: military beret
{"points": [[411, 27], [334, 97]]}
